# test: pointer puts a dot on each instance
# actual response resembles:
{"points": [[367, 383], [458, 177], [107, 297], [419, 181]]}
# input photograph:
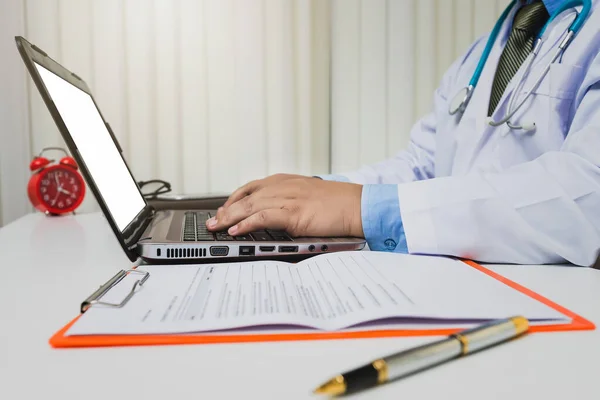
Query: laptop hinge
{"points": [[145, 224], [136, 233]]}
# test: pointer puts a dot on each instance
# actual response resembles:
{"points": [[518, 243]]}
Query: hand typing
{"points": [[300, 205]]}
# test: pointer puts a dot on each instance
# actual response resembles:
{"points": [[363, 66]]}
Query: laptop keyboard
{"points": [[194, 230]]}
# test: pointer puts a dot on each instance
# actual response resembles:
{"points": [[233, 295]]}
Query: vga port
{"points": [[219, 251]]}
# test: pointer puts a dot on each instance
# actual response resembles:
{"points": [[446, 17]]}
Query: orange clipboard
{"points": [[59, 340]]}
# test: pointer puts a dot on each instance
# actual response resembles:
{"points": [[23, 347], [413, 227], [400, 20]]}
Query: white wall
{"points": [[14, 118], [387, 59], [209, 94]]}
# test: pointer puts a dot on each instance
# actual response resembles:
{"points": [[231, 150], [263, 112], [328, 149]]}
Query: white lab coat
{"points": [[467, 190]]}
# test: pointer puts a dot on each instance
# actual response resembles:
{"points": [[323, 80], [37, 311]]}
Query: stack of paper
{"points": [[327, 292]]}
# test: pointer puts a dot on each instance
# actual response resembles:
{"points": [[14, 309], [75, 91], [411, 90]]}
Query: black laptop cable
{"points": [[154, 188]]}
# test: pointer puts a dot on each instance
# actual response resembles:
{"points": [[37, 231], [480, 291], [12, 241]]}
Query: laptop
{"points": [[155, 236]]}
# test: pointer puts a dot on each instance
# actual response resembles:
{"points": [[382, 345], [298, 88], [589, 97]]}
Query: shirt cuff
{"points": [[381, 219], [333, 177]]}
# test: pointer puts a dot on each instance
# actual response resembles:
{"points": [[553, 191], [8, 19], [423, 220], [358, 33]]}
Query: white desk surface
{"points": [[49, 265]]}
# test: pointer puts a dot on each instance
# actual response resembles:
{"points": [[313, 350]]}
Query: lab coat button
{"points": [[390, 244]]}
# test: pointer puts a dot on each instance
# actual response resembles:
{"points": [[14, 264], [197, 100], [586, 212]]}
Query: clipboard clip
{"points": [[112, 282]]}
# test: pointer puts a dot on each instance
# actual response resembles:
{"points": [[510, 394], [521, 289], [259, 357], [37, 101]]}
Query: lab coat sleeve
{"points": [[543, 211], [417, 161], [413, 163]]}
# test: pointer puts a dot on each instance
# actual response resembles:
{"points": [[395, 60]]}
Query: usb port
{"points": [[288, 249], [267, 248], [246, 250]]}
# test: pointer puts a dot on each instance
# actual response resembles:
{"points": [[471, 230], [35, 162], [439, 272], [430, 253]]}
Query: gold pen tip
{"points": [[521, 324], [334, 387]]}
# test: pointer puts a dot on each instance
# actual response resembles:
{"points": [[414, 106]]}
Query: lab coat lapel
{"points": [[475, 131]]}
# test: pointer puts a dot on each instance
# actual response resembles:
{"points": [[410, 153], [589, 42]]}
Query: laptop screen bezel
{"points": [[31, 55]]}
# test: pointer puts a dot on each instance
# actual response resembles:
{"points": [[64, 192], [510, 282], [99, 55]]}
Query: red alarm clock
{"points": [[55, 189]]}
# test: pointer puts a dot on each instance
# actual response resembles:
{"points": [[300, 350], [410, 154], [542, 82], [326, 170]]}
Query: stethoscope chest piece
{"points": [[459, 103]]}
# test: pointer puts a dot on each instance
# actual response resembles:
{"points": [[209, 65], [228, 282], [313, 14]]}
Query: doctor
{"points": [[506, 170]]}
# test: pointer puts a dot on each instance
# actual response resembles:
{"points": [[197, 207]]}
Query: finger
{"points": [[219, 214], [243, 209], [242, 192], [272, 218]]}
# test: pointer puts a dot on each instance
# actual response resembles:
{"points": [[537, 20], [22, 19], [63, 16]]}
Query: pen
{"points": [[412, 360]]}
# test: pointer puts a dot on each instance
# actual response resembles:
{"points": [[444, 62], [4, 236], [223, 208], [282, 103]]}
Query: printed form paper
{"points": [[326, 292]]}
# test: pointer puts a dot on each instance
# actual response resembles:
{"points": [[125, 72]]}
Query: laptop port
{"points": [[219, 250], [324, 247], [267, 248], [311, 247], [288, 249], [246, 250]]}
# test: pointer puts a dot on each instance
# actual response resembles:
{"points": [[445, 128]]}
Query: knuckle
{"points": [[292, 208], [247, 205], [242, 191], [223, 217], [262, 217]]}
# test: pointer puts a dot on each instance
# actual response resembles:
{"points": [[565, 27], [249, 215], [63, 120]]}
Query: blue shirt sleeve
{"points": [[381, 219]]}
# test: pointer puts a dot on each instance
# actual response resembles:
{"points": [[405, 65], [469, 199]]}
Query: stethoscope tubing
{"points": [[570, 33]]}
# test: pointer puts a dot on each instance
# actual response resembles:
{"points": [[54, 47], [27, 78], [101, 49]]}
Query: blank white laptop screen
{"points": [[99, 152]]}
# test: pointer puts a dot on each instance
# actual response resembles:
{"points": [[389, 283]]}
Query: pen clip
{"points": [[95, 297]]}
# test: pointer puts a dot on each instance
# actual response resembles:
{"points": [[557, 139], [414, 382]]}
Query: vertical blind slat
{"points": [[43, 30], [401, 87], [373, 85], [141, 88], [194, 97], [302, 10], [168, 93], [425, 57], [279, 87], [224, 145], [249, 88], [345, 84]]}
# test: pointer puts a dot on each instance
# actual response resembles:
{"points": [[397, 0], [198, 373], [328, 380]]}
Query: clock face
{"points": [[60, 189]]}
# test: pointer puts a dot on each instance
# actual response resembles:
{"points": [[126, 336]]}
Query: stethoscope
{"points": [[461, 100]]}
